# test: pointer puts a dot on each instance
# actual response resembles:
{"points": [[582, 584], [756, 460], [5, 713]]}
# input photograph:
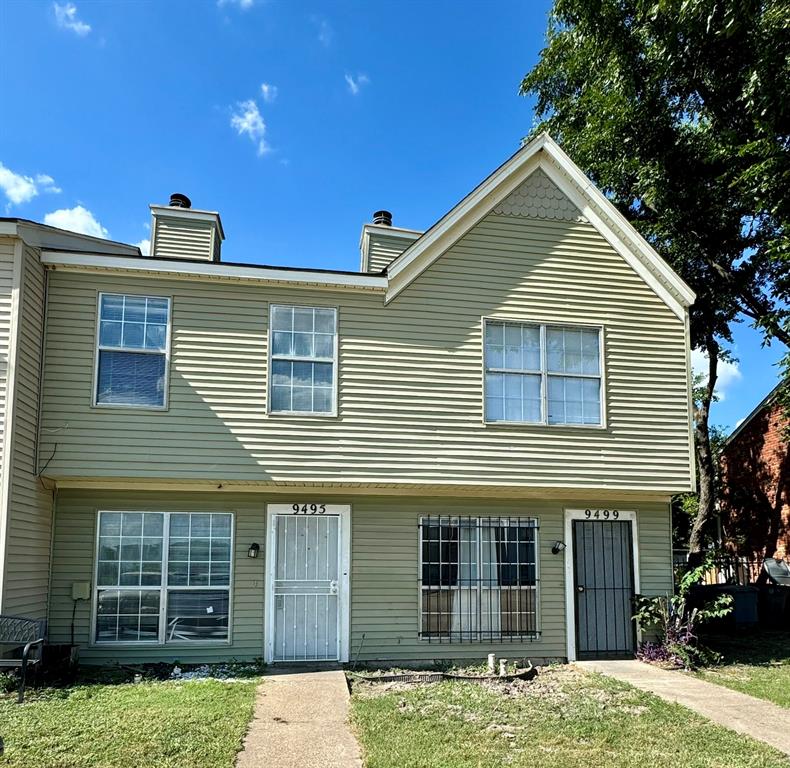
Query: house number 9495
{"points": [[309, 509], [601, 514]]}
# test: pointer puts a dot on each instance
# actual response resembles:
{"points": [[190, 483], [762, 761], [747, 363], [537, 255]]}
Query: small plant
{"points": [[9, 681], [676, 622]]}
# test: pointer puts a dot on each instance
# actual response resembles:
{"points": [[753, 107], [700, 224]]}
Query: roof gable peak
{"points": [[545, 154]]}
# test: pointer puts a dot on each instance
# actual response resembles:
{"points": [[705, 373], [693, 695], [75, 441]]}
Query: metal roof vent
{"points": [[177, 200], [382, 218]]}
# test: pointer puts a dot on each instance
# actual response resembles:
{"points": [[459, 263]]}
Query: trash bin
{"points": [[744, 606], [773, 606]]}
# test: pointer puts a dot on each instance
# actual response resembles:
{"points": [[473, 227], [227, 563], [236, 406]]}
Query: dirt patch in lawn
{"points": [[555, 685]]}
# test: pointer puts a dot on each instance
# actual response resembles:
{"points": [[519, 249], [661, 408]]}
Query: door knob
{"points": [[332, 587], [580, 588]]}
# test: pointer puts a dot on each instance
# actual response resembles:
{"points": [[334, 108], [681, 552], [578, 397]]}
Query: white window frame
{"points": [[300, 359], [98, 348], [163, 587], [421, 588], [544, 373]]}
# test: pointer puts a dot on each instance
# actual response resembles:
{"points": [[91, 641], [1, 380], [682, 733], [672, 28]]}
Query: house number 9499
{"points": [[309, 509], [601, 514]]}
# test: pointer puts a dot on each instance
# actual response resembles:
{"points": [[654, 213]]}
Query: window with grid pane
{"points": [[479, 578], [303, 359], [574, 375], [542, 374], [163, 577], [132, 350]]}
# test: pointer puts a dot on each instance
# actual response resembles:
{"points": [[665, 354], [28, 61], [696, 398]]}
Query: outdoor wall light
{"points": [[253, 550], [557, 547]]}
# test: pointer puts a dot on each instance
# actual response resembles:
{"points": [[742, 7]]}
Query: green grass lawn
{"points": [[564, 718], [756, 664], [195, 724]]}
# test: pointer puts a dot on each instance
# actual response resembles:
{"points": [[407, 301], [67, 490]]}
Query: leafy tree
{"points": [[679, 110]]}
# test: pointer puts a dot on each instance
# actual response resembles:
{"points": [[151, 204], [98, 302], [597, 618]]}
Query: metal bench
{"points": [[20, 632]]}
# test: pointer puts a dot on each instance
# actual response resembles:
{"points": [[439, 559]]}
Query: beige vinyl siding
{"points": [[410, 407], [6, 287], [383, 249], [385, 601], [183, 239], [384, 578], [74, 553], [26, 580]]}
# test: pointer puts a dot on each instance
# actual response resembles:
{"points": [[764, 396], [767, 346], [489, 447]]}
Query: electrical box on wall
{"points": [[80, 590]]}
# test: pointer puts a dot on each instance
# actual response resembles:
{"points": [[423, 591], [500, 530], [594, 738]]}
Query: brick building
{"points": [[755, 497]]}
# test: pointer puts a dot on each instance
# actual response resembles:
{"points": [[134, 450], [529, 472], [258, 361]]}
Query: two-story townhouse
{"points": [[470, 445]]}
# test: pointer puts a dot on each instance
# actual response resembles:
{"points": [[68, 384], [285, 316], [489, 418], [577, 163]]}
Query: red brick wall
{"points": [[755, 503]]}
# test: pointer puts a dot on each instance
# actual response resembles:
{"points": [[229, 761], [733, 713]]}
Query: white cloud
{"points": [[145, 246], [269, 92], [248, 122], [77, 219], [245, 5], [47, 184], [728, 372], [66, 17], [325, 31], [354, 84], [22, 189]]}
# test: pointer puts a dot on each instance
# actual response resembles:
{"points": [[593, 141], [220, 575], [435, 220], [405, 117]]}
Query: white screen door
{"points": [[308, 582]]}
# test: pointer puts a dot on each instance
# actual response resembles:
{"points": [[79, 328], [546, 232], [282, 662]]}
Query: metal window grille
{"points": [[478, 579]]}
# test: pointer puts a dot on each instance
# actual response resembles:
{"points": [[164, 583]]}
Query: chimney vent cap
{"points": [[382, 218], [177, 200]]}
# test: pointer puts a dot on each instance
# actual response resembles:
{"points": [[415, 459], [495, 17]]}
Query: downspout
{"points": [[54, 490]]}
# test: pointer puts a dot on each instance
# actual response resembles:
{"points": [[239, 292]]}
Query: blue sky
{"points": [[296, 120]]}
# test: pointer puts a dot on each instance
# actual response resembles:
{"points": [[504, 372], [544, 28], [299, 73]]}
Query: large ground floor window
{"points": [[163, 577], [478, 578]]}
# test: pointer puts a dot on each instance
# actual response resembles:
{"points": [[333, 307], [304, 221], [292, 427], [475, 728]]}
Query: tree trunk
{"points": [[706, 470]]}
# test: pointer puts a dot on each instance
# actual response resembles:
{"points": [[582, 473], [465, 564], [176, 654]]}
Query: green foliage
{"points": [[757, 664], [562, 718], [677, 621], [9, 681], [679, 111], [198, 724]]}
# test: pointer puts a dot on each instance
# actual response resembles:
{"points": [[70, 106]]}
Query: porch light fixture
{"points": [[253, 550], [557, 547]]}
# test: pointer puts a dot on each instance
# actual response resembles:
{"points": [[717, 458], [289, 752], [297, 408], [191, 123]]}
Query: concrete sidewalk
{"points": [[301, 721], [752, 717]]}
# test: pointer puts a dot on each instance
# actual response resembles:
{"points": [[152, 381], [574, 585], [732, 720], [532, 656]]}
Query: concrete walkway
{"points": [[300, 721], [752, 717]]}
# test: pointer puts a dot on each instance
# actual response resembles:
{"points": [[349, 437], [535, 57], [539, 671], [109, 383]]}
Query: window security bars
{"points": [[478, 579]]}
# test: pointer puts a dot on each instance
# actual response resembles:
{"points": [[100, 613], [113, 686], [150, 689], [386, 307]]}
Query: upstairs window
{"points": [[131, 365], [303, 371], [542, 374]]}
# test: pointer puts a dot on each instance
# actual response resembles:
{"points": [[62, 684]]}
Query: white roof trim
{"points": [[193, 214], [379, 229], [187, 269], [542, 152]]}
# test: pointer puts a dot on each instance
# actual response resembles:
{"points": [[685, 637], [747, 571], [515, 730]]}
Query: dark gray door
{"points": [[604, 588]]}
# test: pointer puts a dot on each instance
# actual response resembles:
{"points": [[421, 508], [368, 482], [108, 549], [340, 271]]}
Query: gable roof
{"points": [[759, 408], [542, 152]]}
